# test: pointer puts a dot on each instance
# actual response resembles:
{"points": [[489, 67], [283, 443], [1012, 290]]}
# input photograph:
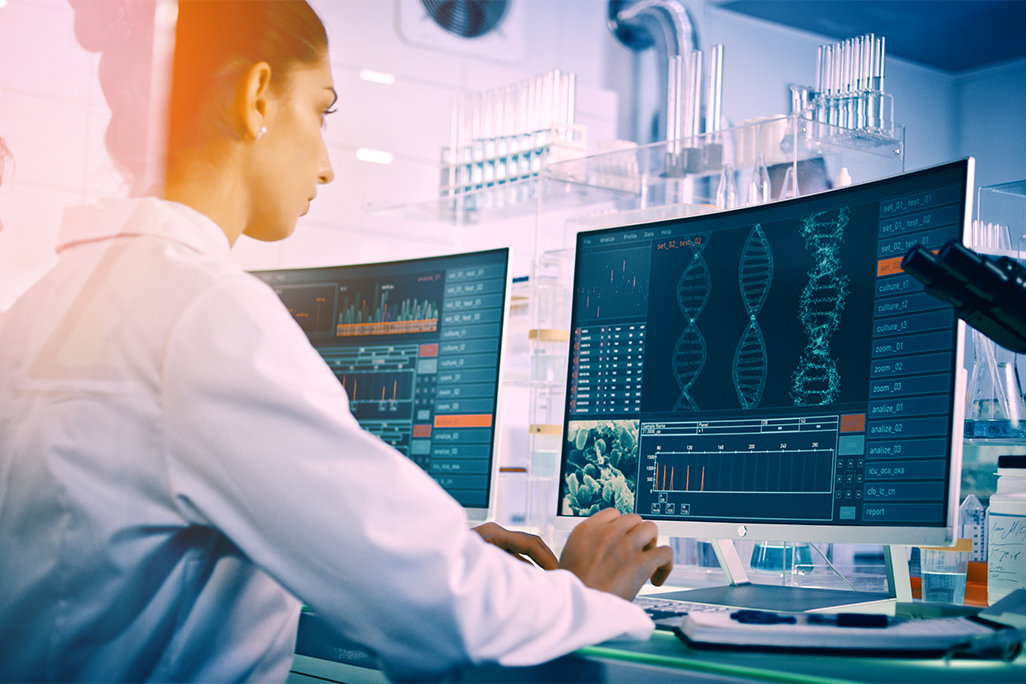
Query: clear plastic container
{"points": [[944, 573]]}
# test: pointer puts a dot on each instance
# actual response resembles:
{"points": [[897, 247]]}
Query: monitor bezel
{"points": [[796, 532], [475, 514]]}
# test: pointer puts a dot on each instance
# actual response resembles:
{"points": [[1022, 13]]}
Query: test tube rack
{"points": [[501, 139], [849, 87]]}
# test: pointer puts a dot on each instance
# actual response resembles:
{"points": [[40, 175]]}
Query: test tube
{"points": [[537, 119], [501, 135], [571, 98], [674, 97], [488, 138], [820, 62], [713, 151], [886, 113], [821, 79], [714, 97], [477, 139], [509, 120], [835, 85], [451, 157], [865, 66], [692, 121], [465, 151], [524, 129], [854, 87], [878, 63], [847, 62], [868, 41]]}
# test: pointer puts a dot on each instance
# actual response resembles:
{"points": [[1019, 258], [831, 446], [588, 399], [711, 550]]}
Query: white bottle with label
{"points": [[1006, 530]]}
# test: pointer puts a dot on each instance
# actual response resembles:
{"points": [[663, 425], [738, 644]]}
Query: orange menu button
{"points": [[464, 420]]}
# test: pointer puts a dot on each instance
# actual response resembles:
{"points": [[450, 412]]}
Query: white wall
{"points": [[991, 106], [53, 116]]}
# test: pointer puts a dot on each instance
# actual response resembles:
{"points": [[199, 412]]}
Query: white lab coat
{"points": [[178, 469]]}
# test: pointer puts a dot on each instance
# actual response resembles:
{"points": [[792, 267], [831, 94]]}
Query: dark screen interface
{"points": [[416, 345], [770, 364]]}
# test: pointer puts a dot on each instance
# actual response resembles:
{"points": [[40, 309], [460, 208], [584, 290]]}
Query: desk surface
{"points": [[663, 658]]}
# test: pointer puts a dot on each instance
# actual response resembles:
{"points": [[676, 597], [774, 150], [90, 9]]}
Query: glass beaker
{"points": [[782, 557], [994, 402], [944, 573]]}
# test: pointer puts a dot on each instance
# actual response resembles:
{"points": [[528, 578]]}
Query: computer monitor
{"points": [[770, 373], [417, 345]]}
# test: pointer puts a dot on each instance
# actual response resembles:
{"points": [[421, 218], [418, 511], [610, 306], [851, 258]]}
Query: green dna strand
{"points": [[754, 275], [816, 380], [689, 354]]}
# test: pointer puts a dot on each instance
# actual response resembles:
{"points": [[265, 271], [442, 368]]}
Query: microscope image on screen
{"points": [[602, 466]]}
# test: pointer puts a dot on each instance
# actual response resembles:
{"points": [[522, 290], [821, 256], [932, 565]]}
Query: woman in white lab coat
{"points": [[179, 469]]}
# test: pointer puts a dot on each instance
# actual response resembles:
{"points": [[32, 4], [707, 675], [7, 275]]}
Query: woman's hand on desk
{"points": [[526, 547], [617, 554]]}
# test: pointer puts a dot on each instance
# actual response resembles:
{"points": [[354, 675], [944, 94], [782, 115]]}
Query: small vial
{"points": [[972, 523], [843, 178], [726, 191]]}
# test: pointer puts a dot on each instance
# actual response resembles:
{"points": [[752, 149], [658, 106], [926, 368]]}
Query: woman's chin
{"points": [[271, 233]]}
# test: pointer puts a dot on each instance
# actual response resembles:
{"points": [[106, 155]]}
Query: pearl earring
{"points": [[260, 133]]}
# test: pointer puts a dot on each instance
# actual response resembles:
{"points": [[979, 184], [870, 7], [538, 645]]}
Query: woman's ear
{"points": [[253, 100]]}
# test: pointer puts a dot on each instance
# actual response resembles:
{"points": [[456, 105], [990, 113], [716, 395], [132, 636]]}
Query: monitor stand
{"points": [[740, 592]]}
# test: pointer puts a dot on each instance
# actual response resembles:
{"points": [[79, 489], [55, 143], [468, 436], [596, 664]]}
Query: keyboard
{"points": [[878, 634], [668, 615]]}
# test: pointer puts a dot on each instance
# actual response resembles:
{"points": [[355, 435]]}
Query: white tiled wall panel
{"points": [[40, 55]]}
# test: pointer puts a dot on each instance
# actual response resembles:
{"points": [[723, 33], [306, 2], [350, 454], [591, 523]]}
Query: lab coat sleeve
{"points": [[261, 445]]}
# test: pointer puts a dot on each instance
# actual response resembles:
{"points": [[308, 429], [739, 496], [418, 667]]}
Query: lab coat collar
{"points": [[142, 216]]}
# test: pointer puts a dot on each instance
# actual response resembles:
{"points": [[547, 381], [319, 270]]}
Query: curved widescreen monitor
{"points": [[770, 372], [416, 344]]}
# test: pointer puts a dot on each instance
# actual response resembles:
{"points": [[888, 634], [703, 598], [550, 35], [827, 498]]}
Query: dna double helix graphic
{"points": [[689, 354], [754, 275], [816, 380]]}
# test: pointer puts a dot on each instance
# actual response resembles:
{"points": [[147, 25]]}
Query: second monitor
{"points": [[416, 344]]}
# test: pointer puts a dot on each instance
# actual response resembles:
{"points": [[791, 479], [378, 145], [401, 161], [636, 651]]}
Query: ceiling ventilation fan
{"points": [[491, 30], [467, 18]]}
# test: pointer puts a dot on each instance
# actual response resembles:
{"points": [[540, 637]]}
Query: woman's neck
{"points": [[214, 190]]}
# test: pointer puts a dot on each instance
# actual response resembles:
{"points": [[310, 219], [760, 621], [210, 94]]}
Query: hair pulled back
{"points": [[216, 41], [122, 32]]}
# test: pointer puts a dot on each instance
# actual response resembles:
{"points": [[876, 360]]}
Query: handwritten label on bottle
{"points": [[1006, 561]]}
